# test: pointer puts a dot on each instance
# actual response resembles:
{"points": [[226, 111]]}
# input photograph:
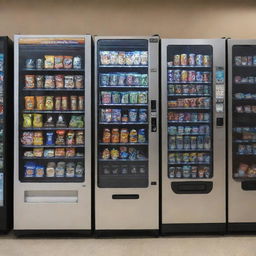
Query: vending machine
{"points": [[6, 131], [242, 135], [127, 131], [193, 135], [52, 154]]}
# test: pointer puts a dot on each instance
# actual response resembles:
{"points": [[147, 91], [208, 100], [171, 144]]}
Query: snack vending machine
{"points": [[193, 135], [6, 131], [126, 140], [242, 135], [52, 178]]}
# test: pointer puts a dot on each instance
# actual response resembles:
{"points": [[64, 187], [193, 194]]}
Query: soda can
{"points": [[172, 142], [191, 76], [200, 157], [179, 158], [191, 59], [170, 76], [199, 76], [179, 142], [194, 117], [253, 61], [207, 173], [194, 172], [206, 77], [200, 142], [172, 130], [171, 158], [238, 60], [177, 75], [184, 59], [185, 157], [187, 129], [199, 60], [171, 88], [249, 60], [186, 142], [244, 60], [193, 142], [184, 76], [186, 171], [193, 157], [178, 172], [207, 61], [185, 89], [171, 172], [176, 60]]}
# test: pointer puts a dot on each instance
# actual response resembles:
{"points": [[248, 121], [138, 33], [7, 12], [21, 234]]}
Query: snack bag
{"points": [[77, 62], [39, 171], [58, 61], [49, 121], [106, 136], [133, 136], [76, 122], [29, 102], [69, 82], [124, 153], [104, 57], [29, 169], [40, 102], [68, 62], [38, 152], [48, 61], [29, 81], [144, 58], [49, 82], [61, 121], [27, 120], [60, 138], [70, 139], [59, 152], [37, 121], [70, 170], [79, 138], [79, 82], [39, 81], [70, 152], [49, 138], [49, 103], [142, 97], [50, 169], [114, 154], [60, 169], [59, 81], [124, 135], [115, 135], [79, 171], [49, 153], [27, 138], [38, 139]]}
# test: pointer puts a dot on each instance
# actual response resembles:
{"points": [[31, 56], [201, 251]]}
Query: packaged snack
{"points": [[133, 113], [70, 152], [49, 121], [39, 63], [79, 171], [60, 138], [113, 79], [116, 98], [30, 64], [79, 137], [60, 169], [144, 58], [37, 120], [70, 170], [38, 139], [104, 57], [39, 171], [27, 138], [40, 102], [77, 62], [49, 103], [133, 138], [59, 81], [73, 102], [68, 62], [142, 97], [27, 120], [60, 152], [29, 102], [49, 138], [28, 154], [104, 79], [106, 154], [113, 57], [124, 153], [106, 97], [69, 82], [79, 81], [121, 79], [144, 80], [64, 103], [121, 58], [137, 58], [124, 135], [143, 115], [107, 115], [58, 62], [116, 115], [80, 103], [70, 139], [136, 79], [57, 103], [29, 169], [115, 135], [132, 153], [129, 58], [76, 122], [124, 97], [29, 81], [39, 81], [38, 152], [49, 61], [133, 97], [141, 136], [50, 169], [49, 153], [129, 79], [106, 135], [114, 153]]}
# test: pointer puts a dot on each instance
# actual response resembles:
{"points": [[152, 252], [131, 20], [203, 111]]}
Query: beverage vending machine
{"points": [[52, 171], [242, 135], [126, 140], [6, 133], [193, 135]]}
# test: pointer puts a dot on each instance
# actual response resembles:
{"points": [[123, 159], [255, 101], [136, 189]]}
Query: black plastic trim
{"points": [[127, 233], [123, 196], [242, 227], [192, 187], [248, 185]]}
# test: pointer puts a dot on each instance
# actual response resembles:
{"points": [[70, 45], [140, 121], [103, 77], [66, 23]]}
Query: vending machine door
{"points": [[52, 135], [242, 135], [193, 135], [126, 139]]}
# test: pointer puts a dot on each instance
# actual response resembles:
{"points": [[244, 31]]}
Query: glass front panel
{"points": [[189, 82], [51, 109], [244, 112], [122, 113]]}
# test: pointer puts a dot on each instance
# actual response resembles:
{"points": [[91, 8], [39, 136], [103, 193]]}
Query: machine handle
{"points": [[153, 115], [131, 196]]}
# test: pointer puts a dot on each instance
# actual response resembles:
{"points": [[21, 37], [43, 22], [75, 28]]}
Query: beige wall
{"points": [[169, 18]]}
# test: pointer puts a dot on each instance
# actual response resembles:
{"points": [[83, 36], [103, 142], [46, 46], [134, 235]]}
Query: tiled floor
{"points": [[171, 246]]}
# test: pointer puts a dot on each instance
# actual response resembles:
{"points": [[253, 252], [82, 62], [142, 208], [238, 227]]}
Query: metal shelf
{"points": [[52, 179], [55, 111], [190, 67], [124, 105], [189, 82], [124, 87], [189, 150], [188, 95], [189, 108], [128, 123], [53, 89], [51, 128], [123, 144], [52, 146], [123, 66], [54, 158], [189, 163], [122, 160], [52, 70], [188, 122]]}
